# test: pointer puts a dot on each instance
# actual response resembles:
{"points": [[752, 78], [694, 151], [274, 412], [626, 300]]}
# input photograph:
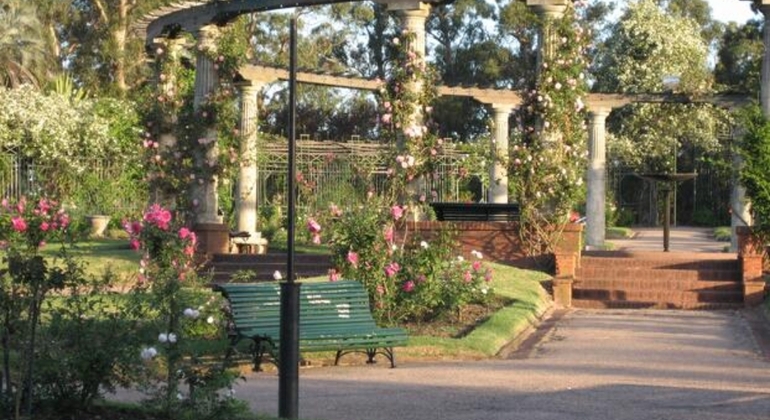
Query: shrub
{"points": [[88, 346], [167, 275], [408, 278]]}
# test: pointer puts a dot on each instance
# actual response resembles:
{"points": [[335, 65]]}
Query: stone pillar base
{"points": [[213, 238], [566, 264], [753, 293], [562, 291]]}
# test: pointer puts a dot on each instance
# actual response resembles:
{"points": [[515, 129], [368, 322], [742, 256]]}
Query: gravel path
{"points": [[618, 365]]}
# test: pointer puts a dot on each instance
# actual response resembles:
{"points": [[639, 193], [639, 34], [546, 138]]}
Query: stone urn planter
{"points": [[98, 225]]}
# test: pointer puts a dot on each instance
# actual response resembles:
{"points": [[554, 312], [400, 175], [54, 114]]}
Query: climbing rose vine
{"points": [[548, 153]]}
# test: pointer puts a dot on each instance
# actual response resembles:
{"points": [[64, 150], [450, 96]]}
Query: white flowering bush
{"points": [[53, 130], [648, 46]]}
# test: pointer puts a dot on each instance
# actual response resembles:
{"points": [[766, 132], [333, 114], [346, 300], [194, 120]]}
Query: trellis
{"points": [[332, 172]]}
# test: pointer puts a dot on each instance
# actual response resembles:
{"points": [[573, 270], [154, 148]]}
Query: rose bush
{"points": [[409, 278], [166, 279]]}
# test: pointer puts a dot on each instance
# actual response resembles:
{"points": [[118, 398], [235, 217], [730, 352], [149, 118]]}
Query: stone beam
{"points": [[189, 16]]}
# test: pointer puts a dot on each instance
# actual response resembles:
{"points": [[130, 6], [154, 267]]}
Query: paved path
{"points": [[681, 239], [594, 365]]}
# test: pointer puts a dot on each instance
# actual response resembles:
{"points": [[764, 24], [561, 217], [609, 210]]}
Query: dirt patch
{"points": [[457, 324]]}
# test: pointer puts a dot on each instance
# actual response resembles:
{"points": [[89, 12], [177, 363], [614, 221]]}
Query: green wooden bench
{"points": [[334, 316]]}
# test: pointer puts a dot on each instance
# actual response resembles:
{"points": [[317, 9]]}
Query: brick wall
{"points": [[750, 255], [500, 241]]}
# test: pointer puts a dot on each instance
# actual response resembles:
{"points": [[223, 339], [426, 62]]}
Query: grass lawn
{"points": [[529, 301], [102, 256]]}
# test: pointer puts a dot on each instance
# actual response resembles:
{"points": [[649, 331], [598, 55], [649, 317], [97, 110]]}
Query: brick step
{"points": [[656, 284], [601, 304], [663, 296], [673, 276], [657, 263]]}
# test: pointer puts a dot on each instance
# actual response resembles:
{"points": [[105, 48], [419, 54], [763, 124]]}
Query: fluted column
{"points": [[205, 191], [498, 171], [413, 15], [740, 208], [597, 178], [548, 10], [246, 200]]}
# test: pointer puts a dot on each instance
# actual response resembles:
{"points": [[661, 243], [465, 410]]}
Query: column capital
{"points": [[599, 112], [500, 108], [206, 35], [549, 8], [411, 7], [250, 86]]}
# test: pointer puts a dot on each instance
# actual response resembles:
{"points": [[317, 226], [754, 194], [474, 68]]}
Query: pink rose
{"points": [[392, 269], [134, 244], [353, 258], [18, 224], [397, 212], [408, 286], [313, 226], [467, 277], [334, 275], [184, 233], [44, 226], [476, 265], [388, 234]]}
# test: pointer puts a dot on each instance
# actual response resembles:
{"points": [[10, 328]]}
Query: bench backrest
{"points": [[342, 304], [477, 212]]}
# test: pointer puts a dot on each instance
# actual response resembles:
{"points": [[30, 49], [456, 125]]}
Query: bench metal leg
{"points": [[259, 348], [371, 353]]}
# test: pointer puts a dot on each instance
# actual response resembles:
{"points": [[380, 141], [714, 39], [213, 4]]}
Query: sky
{"points": [[731, 10]]}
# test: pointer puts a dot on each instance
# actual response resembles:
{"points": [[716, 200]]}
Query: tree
{"points": [[101, 52], [22, 52], [739, 58], [644, 46]]}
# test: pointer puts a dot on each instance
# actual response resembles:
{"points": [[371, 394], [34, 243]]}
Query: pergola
{"points": [[201, 19]]}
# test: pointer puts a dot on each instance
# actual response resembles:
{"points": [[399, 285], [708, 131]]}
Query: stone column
{"points": [[213, 237], [413, 15], [740, 208], [205, 191], [498, 171], [246, 199], [548, 10], [597, 174]]}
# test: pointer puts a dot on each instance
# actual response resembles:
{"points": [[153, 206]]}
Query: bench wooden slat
{"points": [[334, 316]]}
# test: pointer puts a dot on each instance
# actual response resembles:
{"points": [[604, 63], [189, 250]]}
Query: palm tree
{"points": [[22, 43]]}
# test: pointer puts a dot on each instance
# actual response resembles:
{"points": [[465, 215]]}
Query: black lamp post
{"points": [[288, 379]]}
